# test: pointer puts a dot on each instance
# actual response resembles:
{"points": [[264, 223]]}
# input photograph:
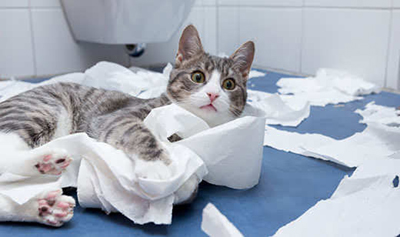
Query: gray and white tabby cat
{"points": [[213, 88]]}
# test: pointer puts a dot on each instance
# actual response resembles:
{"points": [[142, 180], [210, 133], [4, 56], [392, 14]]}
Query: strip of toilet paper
{"points": [[215, 224], [379, 139], [374, 142], [327, 87], [388, 116], [365, 204]]}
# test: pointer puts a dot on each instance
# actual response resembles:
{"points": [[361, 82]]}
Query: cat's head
{"points": [[213, 88]]}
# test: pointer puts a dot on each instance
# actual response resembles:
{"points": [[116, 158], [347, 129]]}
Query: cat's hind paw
{"points": [[55, 209], [53, 162]]}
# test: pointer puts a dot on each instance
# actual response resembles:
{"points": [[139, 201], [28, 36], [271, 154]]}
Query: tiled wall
{"points": [[204, 17], [300, 36], [35, 41]]}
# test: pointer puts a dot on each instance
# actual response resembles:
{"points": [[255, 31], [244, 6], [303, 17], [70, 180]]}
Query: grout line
{"points": [[238, 43], [32, 40], [29, 7], [217, 28], [258, 6], [301, 39], [388, 48], [398, 74], [303, 6], [16, 7]]}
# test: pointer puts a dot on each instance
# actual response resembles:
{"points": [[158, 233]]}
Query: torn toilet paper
{"points": [[373, 113], [215, 224], [327, 87], [255, 74], [365, 204], [106, 178], [379, 139], [11, 88], [142, 83], [226, 154], [374, 142], [276, 110]]}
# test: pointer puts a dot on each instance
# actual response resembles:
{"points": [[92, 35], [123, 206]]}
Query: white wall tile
{"points": [[286, 3], [228, 29], [352, 40], [349, 3], [209, 34], [396, 3], [228, 2], [45, 3], [277, 36], [205, 3], [56, 50], [16, 54], [14, 3], [203, 18], [393, 67]]}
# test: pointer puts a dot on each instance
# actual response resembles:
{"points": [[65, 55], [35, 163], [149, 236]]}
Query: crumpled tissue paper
{"points": [[365, 204], [327, 87], [14, 87], [215, 224], [373, 113], [226, 153], [374, 142], [278, 111], [105, 178], [379, 139]]}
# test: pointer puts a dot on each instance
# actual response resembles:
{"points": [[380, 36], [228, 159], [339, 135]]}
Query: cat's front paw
{"points": [[55, 209], [53, 162]]}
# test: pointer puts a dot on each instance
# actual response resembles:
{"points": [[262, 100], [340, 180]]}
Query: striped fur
{"points": [[51, 111]]}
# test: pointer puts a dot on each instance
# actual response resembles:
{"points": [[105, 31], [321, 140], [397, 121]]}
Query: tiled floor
{"points": [[290, 184]]}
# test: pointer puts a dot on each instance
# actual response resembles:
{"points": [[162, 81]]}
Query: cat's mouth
{"points": [[209, 107]]}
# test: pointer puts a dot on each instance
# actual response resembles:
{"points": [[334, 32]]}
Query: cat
{"points": [[210, 87]]}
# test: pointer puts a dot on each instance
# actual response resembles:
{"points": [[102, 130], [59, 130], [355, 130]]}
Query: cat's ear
{"points": [[243, 58], [189, 45]]}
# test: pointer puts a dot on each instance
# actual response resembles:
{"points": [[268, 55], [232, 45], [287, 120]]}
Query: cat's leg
{"points": [[131, 135], [49, 208], [188, 191], [18, 158]]}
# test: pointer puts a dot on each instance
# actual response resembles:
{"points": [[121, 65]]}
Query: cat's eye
{"points": [[198, 77], [229, 84]]}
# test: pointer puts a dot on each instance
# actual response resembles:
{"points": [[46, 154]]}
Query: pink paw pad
{"points": [[53, 164], [55, 209]]}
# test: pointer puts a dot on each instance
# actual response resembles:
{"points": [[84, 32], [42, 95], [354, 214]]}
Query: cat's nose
{"points": [[212, 96]]}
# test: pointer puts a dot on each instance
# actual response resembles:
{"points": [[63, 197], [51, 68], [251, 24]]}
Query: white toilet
{"points": [[125, 21]]}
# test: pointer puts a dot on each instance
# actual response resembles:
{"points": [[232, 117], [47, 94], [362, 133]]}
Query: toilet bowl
{"points": [[125, 21]]}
